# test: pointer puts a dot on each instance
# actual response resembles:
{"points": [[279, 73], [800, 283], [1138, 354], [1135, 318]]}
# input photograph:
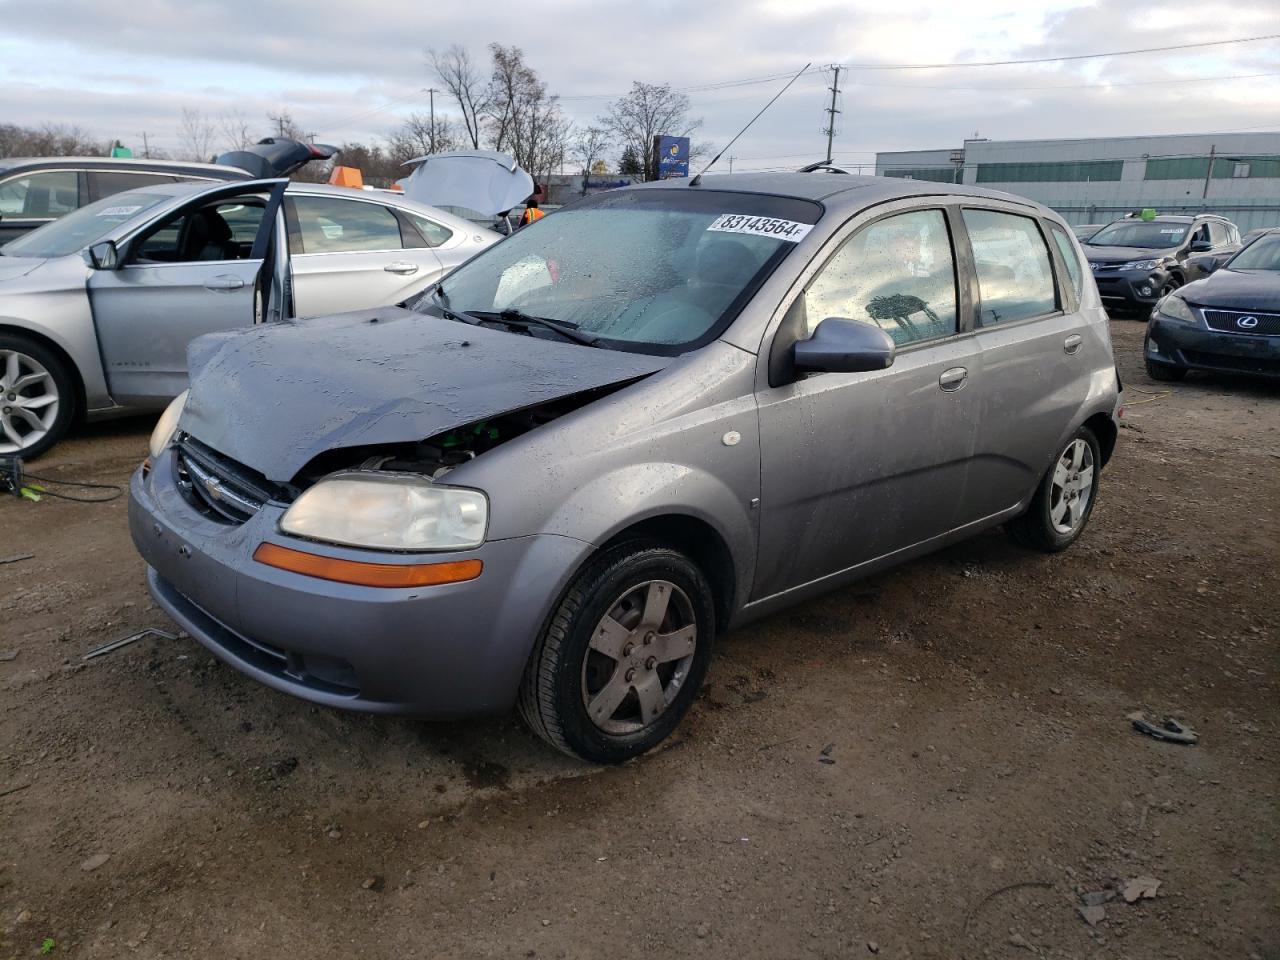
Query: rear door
{"points": [[30, 200], [350, 253], [1038, 350], [195, 270], [858, 466]]}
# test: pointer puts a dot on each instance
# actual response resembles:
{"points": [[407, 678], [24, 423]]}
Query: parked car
{"points": [[553, 479], [1084, 231], [1229, 321], [97, 308], [37, 190], [1136, 262]]}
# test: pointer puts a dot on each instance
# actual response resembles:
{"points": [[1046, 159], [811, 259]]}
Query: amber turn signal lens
{"points": [[367, 574]]}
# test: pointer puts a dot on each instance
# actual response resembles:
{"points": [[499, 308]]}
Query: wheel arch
{"points": [[1105, 429], [73, 370]]}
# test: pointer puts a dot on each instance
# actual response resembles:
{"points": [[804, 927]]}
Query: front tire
{"points": [[1064, 500], [1164, 372], [37, 397], [623, 655]]}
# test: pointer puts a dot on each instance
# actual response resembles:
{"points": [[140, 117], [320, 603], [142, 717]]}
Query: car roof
{"points": [[835, 190], [9, 164]]}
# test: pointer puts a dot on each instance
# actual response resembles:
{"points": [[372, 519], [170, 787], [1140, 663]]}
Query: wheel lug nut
{"points": [[626, 651], [649, 637], [631, 674], [651, 663]]}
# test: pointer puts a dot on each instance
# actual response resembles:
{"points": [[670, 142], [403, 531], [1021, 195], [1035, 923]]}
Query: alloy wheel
{"points": [[29, 401], [639, 657], [1072, 487]]}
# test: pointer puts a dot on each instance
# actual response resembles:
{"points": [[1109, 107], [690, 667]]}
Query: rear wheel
{"points": [[623, 656], [1064, 500], [37, 397]]}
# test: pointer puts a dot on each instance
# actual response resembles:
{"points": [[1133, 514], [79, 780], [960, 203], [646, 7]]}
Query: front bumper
{"points": [[1130, 289], [1196, 347], [444, 651]]}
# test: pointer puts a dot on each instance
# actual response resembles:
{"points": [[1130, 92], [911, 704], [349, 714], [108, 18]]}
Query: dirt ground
{"points": [[932, 763]]}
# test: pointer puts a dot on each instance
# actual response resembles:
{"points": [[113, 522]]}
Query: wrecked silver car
{"points": [[554, 478]]}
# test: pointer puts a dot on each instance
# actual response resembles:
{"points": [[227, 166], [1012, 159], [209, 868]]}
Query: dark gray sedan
{"points": [[553, 479]]}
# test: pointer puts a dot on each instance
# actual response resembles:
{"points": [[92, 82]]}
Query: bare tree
{"points": [[51, 140], [588, 149], [521, 117], [647, 111], [418, 136], [463, 81], [233, 128], [283, 125], [195, 136]]}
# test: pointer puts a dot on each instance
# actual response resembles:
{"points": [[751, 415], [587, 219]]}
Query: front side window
{"points": [[85, 226], [1262, 254], [1015, 279], [40, 195], [654, 271], [897, 274], [223, 230], [1149, 234], [335, 225], [1068, 251]]}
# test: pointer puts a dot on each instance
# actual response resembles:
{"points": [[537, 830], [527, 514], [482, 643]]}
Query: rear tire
{"points": [[1063, 503], [1164, 372], [623, 656], [37, 397]]}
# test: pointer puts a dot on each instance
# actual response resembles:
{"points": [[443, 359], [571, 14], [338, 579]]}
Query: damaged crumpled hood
{"points": [[276, 396]]}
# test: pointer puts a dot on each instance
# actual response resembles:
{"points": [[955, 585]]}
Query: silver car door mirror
{"points": [[104, 255], [839, 345]]}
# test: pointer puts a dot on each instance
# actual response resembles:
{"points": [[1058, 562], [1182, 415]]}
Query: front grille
{"points": [[218, 487], [1235, 364], [1255, 324]]}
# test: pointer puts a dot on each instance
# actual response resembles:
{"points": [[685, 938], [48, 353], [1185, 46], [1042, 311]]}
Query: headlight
{"points": [[1141, 265], [1175, 308], [392, 511], [167, 426]]}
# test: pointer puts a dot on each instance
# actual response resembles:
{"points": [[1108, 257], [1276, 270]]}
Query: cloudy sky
{"points": [[350, 71]]}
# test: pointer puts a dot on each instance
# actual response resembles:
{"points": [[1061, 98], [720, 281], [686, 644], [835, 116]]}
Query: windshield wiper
{"points": [[442, 300], [518, 318]]}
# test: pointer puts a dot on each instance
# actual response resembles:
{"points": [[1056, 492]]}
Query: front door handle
{"points": [[953, 379], [1072, 343], [402, 267], [223, 283]]}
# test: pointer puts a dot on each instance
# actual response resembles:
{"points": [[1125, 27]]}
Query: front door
{"points": [[197, 270], [857, 466], [351, 253]]}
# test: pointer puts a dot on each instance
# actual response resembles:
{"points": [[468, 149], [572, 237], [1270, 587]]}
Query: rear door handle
{"points": [[223, 283], [402, 267], [953, 379], [1072, 343]]}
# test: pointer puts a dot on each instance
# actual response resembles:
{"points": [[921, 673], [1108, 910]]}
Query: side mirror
{"points": [[1209, 264], [839, 345], [1201, 246], [104, 256]]}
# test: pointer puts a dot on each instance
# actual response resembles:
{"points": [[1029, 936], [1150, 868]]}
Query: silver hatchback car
{"points": [[553, 479]]}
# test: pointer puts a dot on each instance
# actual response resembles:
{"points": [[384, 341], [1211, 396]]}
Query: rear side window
{"points": [[1015, 280], [104, 183], [336, 225], [432, 232], [40, 195], [1068, 251], [897, 273]]}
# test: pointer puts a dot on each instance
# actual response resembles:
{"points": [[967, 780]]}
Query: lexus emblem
{"points": [[1247, 323]]}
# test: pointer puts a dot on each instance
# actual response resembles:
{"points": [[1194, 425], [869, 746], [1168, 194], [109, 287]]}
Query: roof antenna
{"points": [[698, 179]]}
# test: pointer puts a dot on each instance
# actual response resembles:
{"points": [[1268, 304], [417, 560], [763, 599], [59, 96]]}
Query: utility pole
{"points": [[146, 147], [1209, 173], [731, 159], [432, 93], [831, 111]]}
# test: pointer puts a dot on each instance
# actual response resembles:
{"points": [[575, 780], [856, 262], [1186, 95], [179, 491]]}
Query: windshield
{"points": [[84, 227], [1262, 254], [1138, 233], [655, 271]]}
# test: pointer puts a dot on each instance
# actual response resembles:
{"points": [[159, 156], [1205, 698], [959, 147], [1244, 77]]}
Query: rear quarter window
{"points": [[1068, 251]]}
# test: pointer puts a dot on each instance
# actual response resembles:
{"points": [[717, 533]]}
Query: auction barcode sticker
{"points": [[119, 211], [788, 230]]}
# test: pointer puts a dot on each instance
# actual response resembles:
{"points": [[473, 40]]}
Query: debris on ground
{"points": [[125, 641], [94, 862], [1093, 914], [17, 559], [1141, 888], [8, 790], [374, 883], [1168, 729], [7, 656], [1096, 898]]}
